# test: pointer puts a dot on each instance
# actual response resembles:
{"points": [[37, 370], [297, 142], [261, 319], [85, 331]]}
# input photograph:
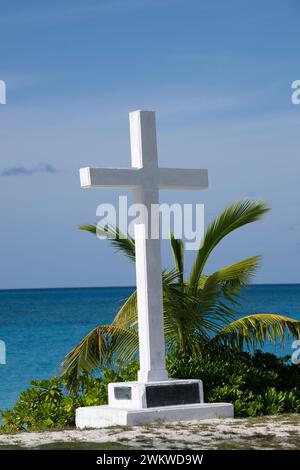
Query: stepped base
{"points": [[106, 416]]}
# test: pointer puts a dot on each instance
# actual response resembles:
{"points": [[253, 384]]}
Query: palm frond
{"points": [[233, 277], [177, 247], [90, 354], [121, 241], [238, 273], [127, 315], [99, 348], [235, 216], [256, 329], [211, 307]]}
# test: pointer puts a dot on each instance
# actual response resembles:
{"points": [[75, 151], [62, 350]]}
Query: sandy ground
{"points": [[277, 432]]}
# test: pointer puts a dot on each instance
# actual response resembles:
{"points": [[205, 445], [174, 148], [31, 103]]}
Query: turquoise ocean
{"points": [[40, 326]]}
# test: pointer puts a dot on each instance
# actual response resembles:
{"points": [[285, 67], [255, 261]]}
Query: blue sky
{"points": [[219, 76]]}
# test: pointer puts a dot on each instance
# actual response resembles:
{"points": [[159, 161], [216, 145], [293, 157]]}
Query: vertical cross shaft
{"points": [[145, 178], [148, 252]]}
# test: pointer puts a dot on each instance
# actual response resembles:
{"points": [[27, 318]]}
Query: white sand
{"points": [[280, 432]]}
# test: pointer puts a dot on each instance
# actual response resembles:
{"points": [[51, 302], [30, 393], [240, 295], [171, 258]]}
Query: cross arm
{"points": [[170, 178], [109, 177]]}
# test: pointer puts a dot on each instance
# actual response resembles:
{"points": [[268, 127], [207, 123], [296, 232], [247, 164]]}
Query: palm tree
{"points": [[198, 310]]}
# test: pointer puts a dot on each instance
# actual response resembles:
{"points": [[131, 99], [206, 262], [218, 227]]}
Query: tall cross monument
{"points": [[135, 402], [146, 178]]}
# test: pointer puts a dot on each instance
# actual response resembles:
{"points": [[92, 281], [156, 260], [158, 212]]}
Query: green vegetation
{"points": [[199, 309], [256, 384]]}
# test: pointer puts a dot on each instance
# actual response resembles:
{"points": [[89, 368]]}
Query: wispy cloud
{"points": [[23, 171]]}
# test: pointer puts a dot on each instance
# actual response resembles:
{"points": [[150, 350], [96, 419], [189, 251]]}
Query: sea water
{"points": [[40, 326]]}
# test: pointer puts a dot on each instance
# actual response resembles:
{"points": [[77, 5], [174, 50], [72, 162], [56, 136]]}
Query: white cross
{"points": [[146, 178]]}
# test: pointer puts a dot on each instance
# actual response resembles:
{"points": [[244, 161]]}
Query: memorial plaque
{"points": [[122, 393], [168, 395]]}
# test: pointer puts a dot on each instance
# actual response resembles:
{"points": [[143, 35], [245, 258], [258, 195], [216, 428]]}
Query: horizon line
{"points": [[129, 287]]}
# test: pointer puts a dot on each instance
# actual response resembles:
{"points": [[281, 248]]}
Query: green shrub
{"points": [[256, 384], [49, 403]]}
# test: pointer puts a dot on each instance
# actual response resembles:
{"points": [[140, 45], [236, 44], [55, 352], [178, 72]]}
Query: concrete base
{"points": [[106, 416]]}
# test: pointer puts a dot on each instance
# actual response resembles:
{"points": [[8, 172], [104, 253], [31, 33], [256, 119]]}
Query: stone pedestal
{"points": [[139, 395], [134, 403]]}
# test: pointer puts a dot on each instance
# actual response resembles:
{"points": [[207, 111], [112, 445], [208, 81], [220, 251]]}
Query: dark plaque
{"points": [[122, 393], [168, 395]]}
